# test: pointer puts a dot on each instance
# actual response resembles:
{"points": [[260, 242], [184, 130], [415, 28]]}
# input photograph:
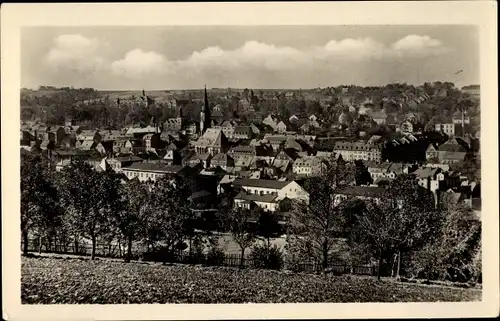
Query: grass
{"points": [[49, 280]]}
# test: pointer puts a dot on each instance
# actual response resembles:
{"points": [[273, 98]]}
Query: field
{"points": [[50, 280]]}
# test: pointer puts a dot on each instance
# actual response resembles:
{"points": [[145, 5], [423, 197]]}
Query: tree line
{"points": [[401, 230]]}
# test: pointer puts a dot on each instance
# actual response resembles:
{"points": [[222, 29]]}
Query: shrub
{"points": [[161, 254], [264, 257], [215, 257]]}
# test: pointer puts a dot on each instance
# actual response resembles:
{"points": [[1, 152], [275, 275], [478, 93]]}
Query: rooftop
{"points": [[212, 137], [266, 198], [154, 167], [424, 172], [263, 183], [367, 191]]}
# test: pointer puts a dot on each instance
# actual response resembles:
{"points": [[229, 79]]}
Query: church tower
{"points": [[205, 114]]}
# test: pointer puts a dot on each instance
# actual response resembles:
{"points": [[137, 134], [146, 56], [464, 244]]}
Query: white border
{"points": [[480, 13]]}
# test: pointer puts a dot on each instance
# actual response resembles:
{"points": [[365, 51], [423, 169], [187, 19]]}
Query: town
{"points": [[275, 146], [270, 164]]}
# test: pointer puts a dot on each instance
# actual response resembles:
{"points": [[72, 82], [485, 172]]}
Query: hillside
{"points": [[82, 281]]}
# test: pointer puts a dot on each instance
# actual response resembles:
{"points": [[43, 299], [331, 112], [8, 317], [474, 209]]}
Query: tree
{"points": [[39, 206], [167, 210], [89, 197], [268, 227], [129, 220], [401, 220], [316, 224], [451, 254], [362, 175], [238, 222]]}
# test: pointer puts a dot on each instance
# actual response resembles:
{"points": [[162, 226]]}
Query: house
{"points": [[291, 143], [308, 166], [89, 135], [460, 118], [74, 130], [152, 141], [378, 170], [375, 139], [58, 134], [118, 163], [276, 141], [431, 153], [104, 148], [139, 132], [444, 167], [451, 152], [473, 90], [282, 189], [242, 162], [372, 193], [242, 150], [172, 157], [283, 162], [26, 138], [227, 127], [222, 160], [119, 145], [86, 145], [429, 178], [254, 118], [281, 127], [451, 197], [190, 129], [324, 155], [306, 128], [202, 199], [213, 142], [255, 130], [388, 171], [217, 114], [242, 132], [42, 132], [111, 135], [266, 202], [270, 121], [135, 146], [351, 151], [149, 171], [203, 159], [447, 128], [47, 145], [314, 123], [406, 127]]}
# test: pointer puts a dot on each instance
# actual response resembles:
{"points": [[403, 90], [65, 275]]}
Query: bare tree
{"points": [[315, 224], [239, 223]]}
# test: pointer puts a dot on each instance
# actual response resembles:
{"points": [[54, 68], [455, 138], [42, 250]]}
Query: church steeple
{"points": [[205, 114]]}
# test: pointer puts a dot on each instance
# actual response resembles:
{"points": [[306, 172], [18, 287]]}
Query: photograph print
{"points": [[250, 164]]}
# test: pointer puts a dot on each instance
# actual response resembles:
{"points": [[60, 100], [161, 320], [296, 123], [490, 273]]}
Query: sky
{"points": [[292, 57]]}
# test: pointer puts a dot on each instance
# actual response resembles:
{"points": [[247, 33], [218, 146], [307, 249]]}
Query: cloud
{"points": [[74, 52], [138, 63], [272, 57], [356, 48], [418, 45], [252, 61]]}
